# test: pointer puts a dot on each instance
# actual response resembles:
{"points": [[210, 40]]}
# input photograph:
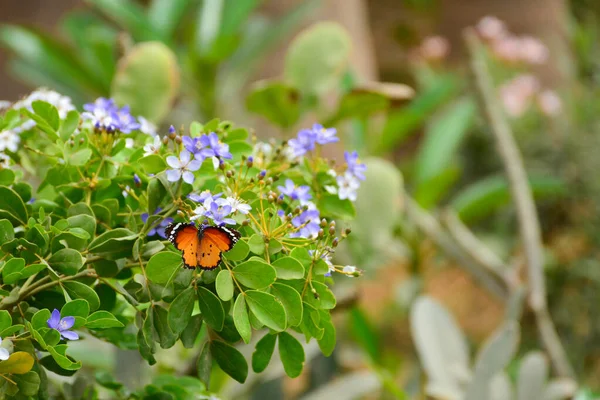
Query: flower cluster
{"points": [[62, 103], [107, 117], [511, 48], [307, 139], [217, 209], [207, 146], [518, 94]]}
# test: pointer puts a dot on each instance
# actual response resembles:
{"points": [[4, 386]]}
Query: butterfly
{"points": [[201, 247]]}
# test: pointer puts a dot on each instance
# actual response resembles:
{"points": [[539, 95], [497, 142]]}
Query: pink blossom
{"points": [[549, 102], [491, 28], [532, 50], [517, 94], [434, 48]]}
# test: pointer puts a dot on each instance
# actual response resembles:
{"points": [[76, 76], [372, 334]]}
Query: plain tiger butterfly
{"points": [[201, 247]]}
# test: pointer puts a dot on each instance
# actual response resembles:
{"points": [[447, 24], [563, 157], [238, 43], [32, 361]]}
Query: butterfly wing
{"points": [[185, 238], [213, 242]]}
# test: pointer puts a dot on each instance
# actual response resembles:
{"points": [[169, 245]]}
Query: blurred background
{"points": [[404, 82]]}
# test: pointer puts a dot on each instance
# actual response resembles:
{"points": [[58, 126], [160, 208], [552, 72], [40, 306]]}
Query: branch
{"points": [[529, 224], [430, 226]]}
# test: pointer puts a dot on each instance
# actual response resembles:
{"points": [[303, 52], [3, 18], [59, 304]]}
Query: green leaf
{"points": [[28, 383], [102, 320], [156, 194], [239, 252], [181, 309], [364, 334], [163, 266], [129, 16], [488, 195], [317, 57], [69, 124], [263, 352], [191, 331], [241, 318], [205, 365], [117, 241], [7, 177], [12, 207], [66, 261], [211, 308], [292, 354], [12, 270], [224, 285], [332, 205], [85, 222], [79, 309], [19, 363], [165, 15], [153, 164], [291, 300], [256, 244], [40, 319], [78, 290], [442, 139], [149, 92], [80, 157], [267, 308], [327, 342], [106, 268], [7, 232], [167, 337], [5, 320], [254, 273], [358, 104], [276, 101], [59, 355], [231, 361], [325, 298], [288, 268]]}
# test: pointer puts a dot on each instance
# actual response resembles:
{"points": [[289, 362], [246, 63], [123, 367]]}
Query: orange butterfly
{"points": [[201, 247]]}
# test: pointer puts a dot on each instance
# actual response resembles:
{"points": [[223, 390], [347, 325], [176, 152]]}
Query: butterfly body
{"points": [[201, 248]]}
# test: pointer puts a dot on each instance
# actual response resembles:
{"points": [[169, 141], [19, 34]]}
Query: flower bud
{"points": [[172, 132], [321, 233], [250, 162], [332, 230], [323, 223], [246, 222], [335, 242], [165, 140], [178, 139]]}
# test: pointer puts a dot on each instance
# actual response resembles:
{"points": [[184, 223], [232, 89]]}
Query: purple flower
{"points": [[182, 167], [137, 180], [218, 213], [301, 193], [354, 167], [303, 142], [160, 229], [190, 144], [106, 116], [325, 135], [172, 129], [218, 148], [62, 325], [309, 221], [203, 196]]}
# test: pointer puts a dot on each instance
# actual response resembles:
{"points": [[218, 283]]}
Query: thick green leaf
{"points": [[66, 261], [488, 195], [211, 308], [78, 308], [239, 252], [149, 92], [7, 177], [364, 334], [276, 101], [12, 270], [191, 331], [241, 318], [231, 361], [224, 285], [165, 15], [128, 15], [156, 194], [324, 298], [80, 157], [28, 383], [291, 301], [7, 232], [153, 164], [292, 354], [317, 58], [118, 241], [263, 352], [181, 309], [288, 268], [332, 205], [256, 244], [442, 139], [59, 355], [163, 266], [85, 222], [78, 290], [102, 320], [254, 273], [205, 364], [327, 342], [40, 319], [5, 320], [11, 206], [167, 338], [267, 308]]}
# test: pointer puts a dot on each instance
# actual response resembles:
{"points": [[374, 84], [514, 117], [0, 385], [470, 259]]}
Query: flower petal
{"points": [[185, 157], [188, 177], [66, 323], [69, 335], [173, 162], [54, 319], [194, 165], [215, 162], [173, 175], [4, 355]]}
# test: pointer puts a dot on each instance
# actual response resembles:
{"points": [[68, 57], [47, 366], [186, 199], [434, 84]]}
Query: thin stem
{"points": [[522, 196]]}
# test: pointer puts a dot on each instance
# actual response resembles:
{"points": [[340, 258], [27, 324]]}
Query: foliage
{"points": [[84, 204]]}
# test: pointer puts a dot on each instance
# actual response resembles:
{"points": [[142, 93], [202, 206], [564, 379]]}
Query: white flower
{"points": [[182, 167], [4, 105], [146, 126], [4, 160], [4, 354], [126, 191], [129, 142], [350, 270], [9, 140], [348, 185], [153, 148], [62, 103], [238, 205]]}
